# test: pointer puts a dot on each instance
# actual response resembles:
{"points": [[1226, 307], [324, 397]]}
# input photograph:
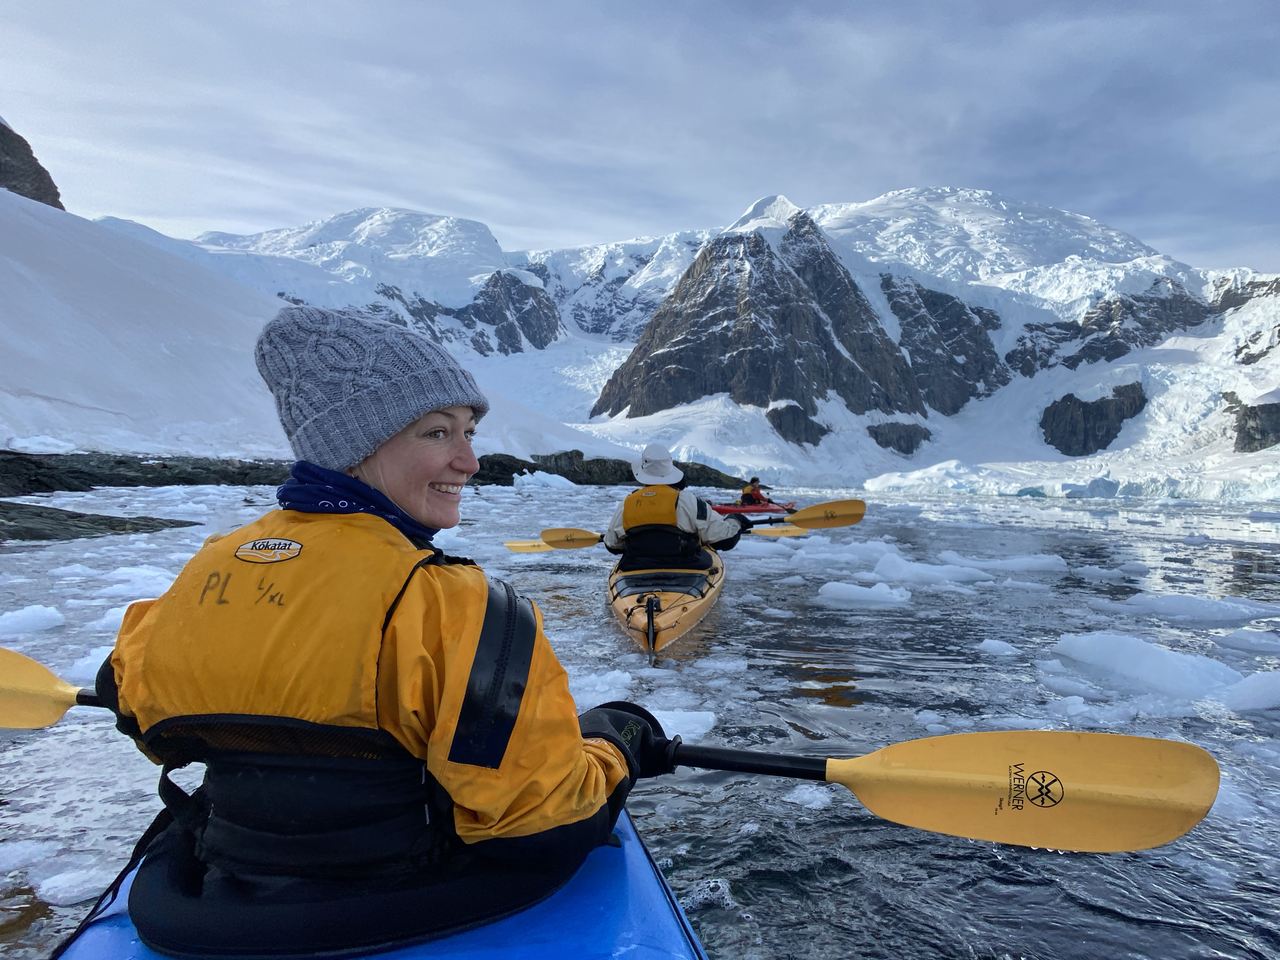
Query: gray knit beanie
{"points": [[344, 382]]}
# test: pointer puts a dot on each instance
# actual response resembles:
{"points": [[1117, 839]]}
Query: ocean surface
{"points": [[932, 616]]}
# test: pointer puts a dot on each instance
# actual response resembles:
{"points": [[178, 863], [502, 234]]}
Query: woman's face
{"points": [[424, 467]]}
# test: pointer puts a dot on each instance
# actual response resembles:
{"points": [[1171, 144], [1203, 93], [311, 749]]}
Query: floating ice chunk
{"points": [[793, 581], [525, 481], [73, 886], [1026, 563], [590, 689], [1147, 665], [86, 668], [1181, 608], [1260, 691], [1252, 641], [1089, 572], [110, 621], [998, 648], [1135, 568], [73, 570], [30, 619], [900, 570], [777, 613], [849, 596], [811, 796], [692, 725], [1025, 585], [135, 582]]}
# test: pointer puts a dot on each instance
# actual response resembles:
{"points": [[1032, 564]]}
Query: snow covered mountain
{"points": [[921, 337]]}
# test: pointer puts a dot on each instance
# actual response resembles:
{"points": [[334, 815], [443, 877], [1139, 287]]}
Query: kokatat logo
{"points": [[268, 551]]}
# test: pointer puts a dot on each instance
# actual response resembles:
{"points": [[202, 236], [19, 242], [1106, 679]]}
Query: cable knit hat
{"points": [[344, 383]]}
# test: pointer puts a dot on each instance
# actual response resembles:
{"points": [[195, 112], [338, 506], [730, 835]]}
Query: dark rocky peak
{"points": [[22, 173], [506, 314], [1231, 292], [948, 343], [770, 317], [1115, 325]]}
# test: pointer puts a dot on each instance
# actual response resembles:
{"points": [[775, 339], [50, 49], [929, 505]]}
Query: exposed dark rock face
{"points": [[763, 326], [24, 521], [1231, 292], [22, 173], [22, 474], [1110, 329], [1078, 428], [791, 424], [607, 471], [26, 473], [948, 343], [1257, 428], [905, 438], [505, 314]]}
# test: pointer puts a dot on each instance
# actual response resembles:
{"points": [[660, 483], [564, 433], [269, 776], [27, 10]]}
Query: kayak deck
{"points": [[617, 904], [683, 597]]}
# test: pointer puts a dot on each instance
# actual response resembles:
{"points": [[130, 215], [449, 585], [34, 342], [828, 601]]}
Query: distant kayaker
{"points": [[664, 525], [391, 750], [752, 494]]}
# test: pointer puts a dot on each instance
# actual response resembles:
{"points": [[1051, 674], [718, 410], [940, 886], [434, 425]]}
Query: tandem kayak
{"points": [[617, 904], [658, 607], [731, 508]]}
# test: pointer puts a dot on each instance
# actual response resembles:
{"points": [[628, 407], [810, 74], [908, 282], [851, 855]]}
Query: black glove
{"points": [[633, 728], [743, 522]]}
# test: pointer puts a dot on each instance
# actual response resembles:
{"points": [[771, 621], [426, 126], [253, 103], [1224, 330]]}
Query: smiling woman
{"points": [[391, 750]]}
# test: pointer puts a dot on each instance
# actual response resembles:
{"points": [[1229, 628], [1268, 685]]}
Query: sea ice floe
{"points": [[1182, 608], [998, 647], [850, 596], [32, 619]]}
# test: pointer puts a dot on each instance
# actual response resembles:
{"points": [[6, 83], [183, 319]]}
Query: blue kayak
{"points": [[617, 904]]}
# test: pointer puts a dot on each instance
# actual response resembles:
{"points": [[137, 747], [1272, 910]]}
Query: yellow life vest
{"points": [[264, 601], [650, 506]]}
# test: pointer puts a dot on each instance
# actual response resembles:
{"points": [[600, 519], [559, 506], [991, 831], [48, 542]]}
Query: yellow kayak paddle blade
{"points": [[570, 538], [31, 696], [1087, 792], [836, 513], [785, 530], [527, 546]]}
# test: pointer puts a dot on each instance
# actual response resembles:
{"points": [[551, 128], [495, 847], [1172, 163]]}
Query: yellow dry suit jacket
{"points": [[314, 629]]}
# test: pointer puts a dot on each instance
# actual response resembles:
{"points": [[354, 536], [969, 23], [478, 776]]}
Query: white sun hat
{"points": [[655, 466]]}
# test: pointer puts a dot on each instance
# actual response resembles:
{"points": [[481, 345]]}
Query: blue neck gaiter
{"points": [[314, 489]]}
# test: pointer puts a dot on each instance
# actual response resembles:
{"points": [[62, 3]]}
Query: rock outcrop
{"points": [[1079, 427], [22, 173], [1257, 427], [905, 438], [506, 314], [1110, 329], [948, 343]]}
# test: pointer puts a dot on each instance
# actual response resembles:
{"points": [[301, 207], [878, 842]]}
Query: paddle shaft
{"points": [[87, 698], [749, 761]]}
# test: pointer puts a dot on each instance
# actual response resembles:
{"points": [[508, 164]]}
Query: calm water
{"points": [[768, 867]]}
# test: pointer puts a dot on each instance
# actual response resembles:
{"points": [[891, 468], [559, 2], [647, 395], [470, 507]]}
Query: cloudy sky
{"points": [[563, 123]]}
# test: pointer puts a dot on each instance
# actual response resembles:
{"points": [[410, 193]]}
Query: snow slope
{"points": [[120, 338]]}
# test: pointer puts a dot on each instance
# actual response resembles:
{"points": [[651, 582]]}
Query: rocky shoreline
{"points": [[23, 474]]}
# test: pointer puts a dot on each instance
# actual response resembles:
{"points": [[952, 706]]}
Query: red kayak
{"points": [[727, 508]]}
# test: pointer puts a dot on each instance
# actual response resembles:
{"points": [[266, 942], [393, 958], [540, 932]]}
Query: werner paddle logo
{"points": [[268, 551], [1040, 789]]}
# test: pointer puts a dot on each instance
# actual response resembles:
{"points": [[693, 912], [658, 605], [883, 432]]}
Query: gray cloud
{"points": [[567, 123]]}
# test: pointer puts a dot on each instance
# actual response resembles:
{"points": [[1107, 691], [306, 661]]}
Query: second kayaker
{"points": [[391, 750], [662, 524]]}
